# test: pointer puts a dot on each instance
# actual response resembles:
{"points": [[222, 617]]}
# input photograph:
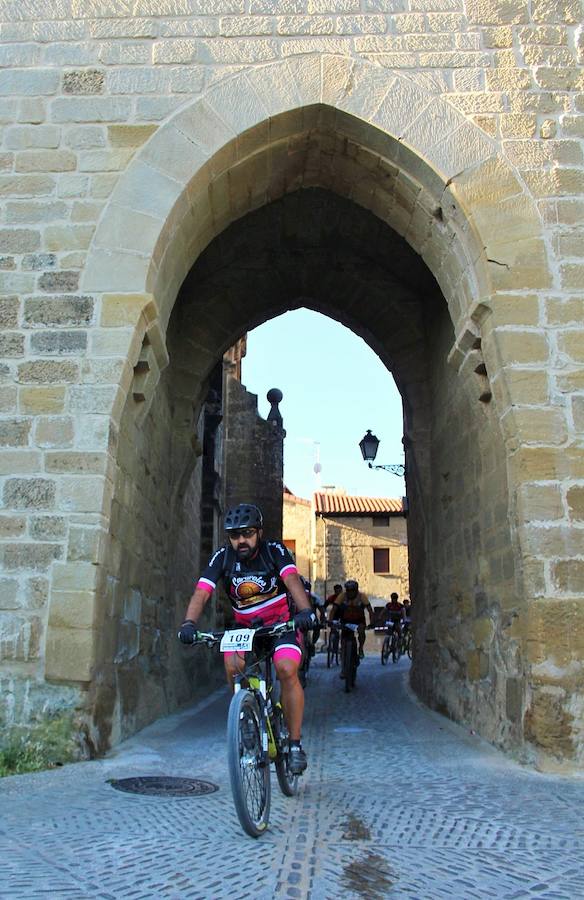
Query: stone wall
{"points": [[131, 143]]}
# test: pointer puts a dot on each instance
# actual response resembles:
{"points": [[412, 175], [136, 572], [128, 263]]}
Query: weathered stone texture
{"points": [[486, 97]]}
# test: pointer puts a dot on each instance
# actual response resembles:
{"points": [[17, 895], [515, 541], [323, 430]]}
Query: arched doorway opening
{"points": [[217, 162]]}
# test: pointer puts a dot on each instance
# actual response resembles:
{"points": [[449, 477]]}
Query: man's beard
{"points": [[243, 552]]}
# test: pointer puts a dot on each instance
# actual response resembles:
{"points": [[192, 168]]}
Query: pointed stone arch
{"points": [[398, 149]]}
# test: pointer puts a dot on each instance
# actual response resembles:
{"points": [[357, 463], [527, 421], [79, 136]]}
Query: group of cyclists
{"points": [[264, 587]]}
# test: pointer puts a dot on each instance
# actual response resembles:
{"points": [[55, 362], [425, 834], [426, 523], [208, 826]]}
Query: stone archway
{"points": [[418, 165]]}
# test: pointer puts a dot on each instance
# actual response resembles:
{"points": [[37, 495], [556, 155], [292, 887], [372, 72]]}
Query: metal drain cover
{"points": [[164, 786]]}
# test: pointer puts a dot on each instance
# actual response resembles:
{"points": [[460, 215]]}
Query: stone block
{"points": [[55, 282], [129, 136], [91, 109], [59, 343], [23, 213], [37, 262], [26, 137], [86, 137], [9, 310], [571, 343], [70, 186], [578, 413], [74, 608], [20, 637], [24, 556], [12, 526], [568, 576], [54, 431], [19, 240], [48, 371], [86, 544], [84, 81], [535, 426], [48, 528], [41, 400], [74, 577], [29, 82], [77, 463], [11, 344], [123, 310], [20, 462], [9, 591], [36, 592], [86, 494], [65, 311], [29, 493], [32, 110], [17, 185], [14, 432], [538, 502], [45, 161], [70, 654], [8, 396], [68, 237]]}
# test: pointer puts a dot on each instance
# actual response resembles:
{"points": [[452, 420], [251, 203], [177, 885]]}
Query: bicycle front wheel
{"points": [[394, 647], [287, 781], [349, 663], [249, 769], [385, 651]]}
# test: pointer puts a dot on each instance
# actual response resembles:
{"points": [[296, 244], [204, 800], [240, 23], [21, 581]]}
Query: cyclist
{"points": [[407, 615], [261, 579], [395, 614], [332, 598], [351, 604]]}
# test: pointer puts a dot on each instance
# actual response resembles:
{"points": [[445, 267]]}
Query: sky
{"points": [[335, 388]]}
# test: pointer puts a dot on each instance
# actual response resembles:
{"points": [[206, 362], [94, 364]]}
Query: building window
{"points": [[381, 521], [291, 545], [381, 560]]}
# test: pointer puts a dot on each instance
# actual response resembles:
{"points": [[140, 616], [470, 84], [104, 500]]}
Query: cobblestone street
{"points": [[397, 802]]}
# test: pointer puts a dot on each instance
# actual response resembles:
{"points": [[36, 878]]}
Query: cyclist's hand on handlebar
{"points": [[187, 633], [305, 619]]}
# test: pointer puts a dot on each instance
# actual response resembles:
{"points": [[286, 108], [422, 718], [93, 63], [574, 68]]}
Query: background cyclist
{"points": [[395, 614], [351, 605]]}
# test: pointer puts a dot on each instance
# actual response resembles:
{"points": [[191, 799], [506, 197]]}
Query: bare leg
{"points": [[292, 696], [234, 664]]}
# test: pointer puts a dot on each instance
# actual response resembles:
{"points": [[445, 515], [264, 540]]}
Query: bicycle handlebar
{"points": [[213, 637]]}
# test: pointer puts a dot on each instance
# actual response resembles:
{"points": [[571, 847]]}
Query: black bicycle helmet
{"points": [[351, 585], [245, 515]]}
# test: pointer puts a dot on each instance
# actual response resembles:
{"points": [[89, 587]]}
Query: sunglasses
{"points": [[241, 532]]}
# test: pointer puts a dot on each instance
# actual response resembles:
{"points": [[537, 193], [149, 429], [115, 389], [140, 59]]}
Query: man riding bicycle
{"points": [[350, 606], [395, 613], [260, 579]]}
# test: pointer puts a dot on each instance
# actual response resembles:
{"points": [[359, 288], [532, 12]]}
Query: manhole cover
{"points": [[164, 786]]}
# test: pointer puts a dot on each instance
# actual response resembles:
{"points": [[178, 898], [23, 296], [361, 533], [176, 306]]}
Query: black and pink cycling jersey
{"points": [[254, 586]]}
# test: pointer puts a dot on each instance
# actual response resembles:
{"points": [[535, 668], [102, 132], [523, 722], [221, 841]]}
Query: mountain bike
{"points": [[332, 650], [256, 728], [406, 642], [350, 654], [386, 649]]}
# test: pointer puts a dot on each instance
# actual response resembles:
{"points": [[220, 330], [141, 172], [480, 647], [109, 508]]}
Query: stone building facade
{"points": [[174, 173], [336, 537]]}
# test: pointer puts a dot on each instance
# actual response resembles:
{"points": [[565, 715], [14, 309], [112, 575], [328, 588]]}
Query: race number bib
{"points": [[237, 641]]}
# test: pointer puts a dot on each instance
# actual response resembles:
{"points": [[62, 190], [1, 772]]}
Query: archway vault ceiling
{"points": [[309, 248]]}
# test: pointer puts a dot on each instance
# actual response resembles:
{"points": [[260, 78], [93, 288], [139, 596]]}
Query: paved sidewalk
{"points": [[397, 802]]}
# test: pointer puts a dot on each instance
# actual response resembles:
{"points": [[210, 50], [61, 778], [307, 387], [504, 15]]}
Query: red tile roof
{"points": [[342, 505]]}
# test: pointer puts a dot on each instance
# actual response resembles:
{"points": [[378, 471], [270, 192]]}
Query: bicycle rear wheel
{"points": [[287, 781], [385, 650], [249, 769]]}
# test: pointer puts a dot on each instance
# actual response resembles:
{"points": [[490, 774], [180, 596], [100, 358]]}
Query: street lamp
{"points": [[368, 446]]}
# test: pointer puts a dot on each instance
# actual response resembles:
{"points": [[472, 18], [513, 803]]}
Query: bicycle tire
{"points": [[249, 770], [394, 647], [349, 664], [385, 651], [409, 648], [287, 781]]}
